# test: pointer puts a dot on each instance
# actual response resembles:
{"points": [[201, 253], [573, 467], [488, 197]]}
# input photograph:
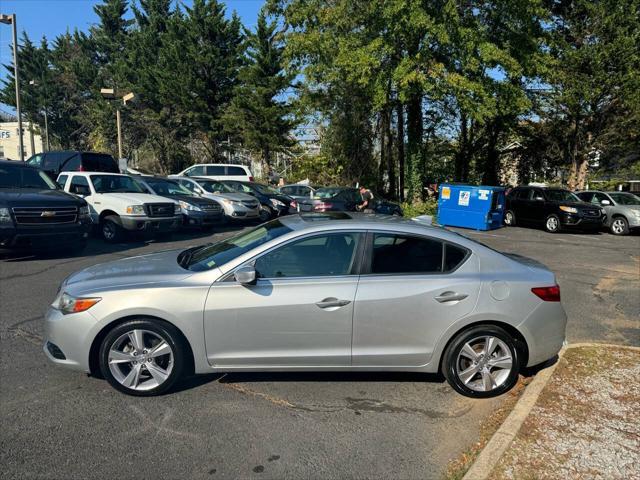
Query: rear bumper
{"points": [[544, 331], [43, 237], [150, 224]]}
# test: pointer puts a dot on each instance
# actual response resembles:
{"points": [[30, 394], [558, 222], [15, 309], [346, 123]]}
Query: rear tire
{"points": [[482, 362], [619, 226], [509, 219], [552, 224], [143, 357]]}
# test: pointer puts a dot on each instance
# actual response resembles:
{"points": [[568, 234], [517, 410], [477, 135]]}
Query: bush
{"points": [[427, 207]]}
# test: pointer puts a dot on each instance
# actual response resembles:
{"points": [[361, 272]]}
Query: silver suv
{"points": [[623, 209]]}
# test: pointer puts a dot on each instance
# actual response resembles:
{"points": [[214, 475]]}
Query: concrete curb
{"points": [[500, 441]]}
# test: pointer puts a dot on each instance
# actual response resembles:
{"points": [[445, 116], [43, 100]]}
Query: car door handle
{"points": [[332, 302], [451, 297]]}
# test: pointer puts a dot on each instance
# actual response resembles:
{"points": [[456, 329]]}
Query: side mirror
{"points": [[605, 202], [539, 199], [245, 275]]}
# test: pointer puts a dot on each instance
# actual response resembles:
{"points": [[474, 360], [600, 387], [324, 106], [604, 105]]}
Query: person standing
{"points": [[367, 200]]}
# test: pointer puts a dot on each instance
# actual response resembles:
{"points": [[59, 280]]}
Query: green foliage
{"points": [[426, 207]]}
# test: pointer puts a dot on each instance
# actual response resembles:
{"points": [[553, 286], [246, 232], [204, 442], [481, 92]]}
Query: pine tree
{"points": [[260, 113]]}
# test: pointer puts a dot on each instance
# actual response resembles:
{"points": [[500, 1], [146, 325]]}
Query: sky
{"points": [[54, 17]]}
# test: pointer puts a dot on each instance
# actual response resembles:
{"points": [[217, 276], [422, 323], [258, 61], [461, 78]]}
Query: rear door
{"points": [[215, 172], [411, 290], [237, 173]]}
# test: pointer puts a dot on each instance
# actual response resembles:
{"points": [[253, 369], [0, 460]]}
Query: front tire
{"points": [[509, 219], [619, 226], [265, 213], [110, 230], [552, 224], [143, 357], [482, 362]]}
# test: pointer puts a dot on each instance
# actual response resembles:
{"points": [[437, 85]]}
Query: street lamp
{"points": [[111, 94], [46, 122], [11, 20]]}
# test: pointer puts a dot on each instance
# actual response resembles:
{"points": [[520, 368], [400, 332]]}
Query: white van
{"points": [[218, 171]]}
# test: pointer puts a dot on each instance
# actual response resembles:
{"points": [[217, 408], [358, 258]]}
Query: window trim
{"points": [[356, 269], [368, 255]]}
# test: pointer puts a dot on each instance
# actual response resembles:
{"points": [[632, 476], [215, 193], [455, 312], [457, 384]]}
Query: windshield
{"points": [[115, 184], [625, 198], [265, 189], [167, 187], [24, 177], [214, 187], [214, 255], [327, 192], [561, 196]]}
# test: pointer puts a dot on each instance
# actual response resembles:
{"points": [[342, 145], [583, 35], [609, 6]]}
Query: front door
{"points": [[299, 312], [415, 288]]}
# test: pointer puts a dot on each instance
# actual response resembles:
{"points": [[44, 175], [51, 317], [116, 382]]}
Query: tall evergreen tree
{"points": [[260, 112]]}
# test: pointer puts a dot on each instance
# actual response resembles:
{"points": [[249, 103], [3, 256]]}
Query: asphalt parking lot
{"points": [[62, 424]]}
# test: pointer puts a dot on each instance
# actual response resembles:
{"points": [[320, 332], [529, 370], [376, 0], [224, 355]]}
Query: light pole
{"points": [[11, 20], [46, 122], [111, 94]]}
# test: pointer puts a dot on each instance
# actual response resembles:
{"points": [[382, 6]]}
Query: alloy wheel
{"points": [[484, 363], [618, 226], [552, 224], [108, 230], [140, 360]]}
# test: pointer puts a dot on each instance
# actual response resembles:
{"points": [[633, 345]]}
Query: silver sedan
{"points": [[316, 292]]}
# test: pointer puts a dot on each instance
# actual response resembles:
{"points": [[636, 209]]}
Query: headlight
{"points": [[135, 210], [5, 217], [187, 206], [84, 212], [568, 209], [276, 203], [226, 201], [69, 304]]}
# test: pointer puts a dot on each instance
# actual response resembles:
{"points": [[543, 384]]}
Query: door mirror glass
{"points": [[605, 202], [538, 199], [246, 275]]}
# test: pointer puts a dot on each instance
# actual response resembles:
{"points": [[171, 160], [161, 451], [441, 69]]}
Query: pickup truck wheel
{"points": [[110, 230]]}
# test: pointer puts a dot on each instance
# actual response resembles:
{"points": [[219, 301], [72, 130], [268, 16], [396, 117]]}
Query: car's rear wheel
{"points": [[552, 224], [142, 357], [482, 362], [619, 226], [110, 230], [509, 218]]}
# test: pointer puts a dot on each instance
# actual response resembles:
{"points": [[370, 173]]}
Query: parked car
{"points": [[272, 202], [56, 162], [237, 206], [622, 208], [218, 171], [196, 211], [334, 291], [298, 192], [346, 199], [554, 208], [118, 204], [35, 214]]}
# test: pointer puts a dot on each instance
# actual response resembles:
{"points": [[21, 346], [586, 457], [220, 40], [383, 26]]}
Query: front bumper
{"points": [[150, 224], [201, 219], [574, 220], [71, 335], [43, 236], [240, 212]]}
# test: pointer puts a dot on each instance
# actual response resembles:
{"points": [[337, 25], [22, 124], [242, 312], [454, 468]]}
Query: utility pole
{"points": [[112, 94], [11, 20], [47, 147]]}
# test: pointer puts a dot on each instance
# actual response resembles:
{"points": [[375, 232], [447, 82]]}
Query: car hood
{"points": [[138, 198], [31, 197], [579, 205], [144, 269]]}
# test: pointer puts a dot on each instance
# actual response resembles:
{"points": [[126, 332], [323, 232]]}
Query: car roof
{"points": [[15, 163], [217, 165], [86, 174]]}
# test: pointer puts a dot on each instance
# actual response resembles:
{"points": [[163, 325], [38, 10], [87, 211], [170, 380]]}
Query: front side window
{"points": [[215, 187], [115, 184], [73, 165], [561, 196], [195, 171], [62, 180], [79, 185], [318, 256], [398, 254]]}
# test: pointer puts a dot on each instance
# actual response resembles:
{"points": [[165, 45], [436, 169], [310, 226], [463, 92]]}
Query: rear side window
{"points": [[98, 162], [215, 170], [454, 256], [72, 164], [397, 254], [237, 171]]}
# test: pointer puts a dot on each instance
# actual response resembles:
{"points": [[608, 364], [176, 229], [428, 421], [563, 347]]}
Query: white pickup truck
{"points": [[118, 204]]}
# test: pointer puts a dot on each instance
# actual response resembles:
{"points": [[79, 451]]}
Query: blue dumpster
{"points": [[471, 206]]}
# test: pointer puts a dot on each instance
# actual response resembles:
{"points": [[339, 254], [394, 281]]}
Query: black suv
{"points": [[554, 208], [53, 163], [34, 213], [345, 199]]}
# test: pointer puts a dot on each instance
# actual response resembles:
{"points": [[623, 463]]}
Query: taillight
{"points": [[81, 169], [293, 204], [251, 179], [548, 294]]}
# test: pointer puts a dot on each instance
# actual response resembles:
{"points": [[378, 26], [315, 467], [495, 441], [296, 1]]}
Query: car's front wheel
{"points": [[266, 213], [110, 230], [482, 362], [552, 224], [142, 357], [619, 226]]}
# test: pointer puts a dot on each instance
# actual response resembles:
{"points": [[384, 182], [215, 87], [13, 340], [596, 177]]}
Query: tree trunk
{"points": [[414, 145], [492, 160], [383, 151], [266, 163], [391, 170], [461, 159], [400, 145], [572, 182]]}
